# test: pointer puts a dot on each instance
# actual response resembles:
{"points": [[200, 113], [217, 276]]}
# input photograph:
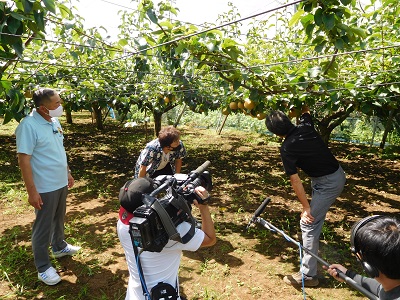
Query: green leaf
{"points": [[8, 116], [229, 43], [318, 17], [307, 19], [181, 47], [58, 51], [152, 16], [296, 17], [74, 55], [65, 11], [232, 52], [339, 44], [388, 2], [7, 38], [358, 31], [39, 19], [320, 47], [308, 7], [319, 39], [21, 104], [18, 48], [50, 5], [329, 20], [166, 24], [236, 84], [345, 2], [310, 29], [17, 16], [28, 5], [6, 84], [69, 24], [257, 70], [122, 42], [13, 24]]}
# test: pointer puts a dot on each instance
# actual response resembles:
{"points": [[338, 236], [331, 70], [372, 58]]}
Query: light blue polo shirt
{"points": [[43, 140]]}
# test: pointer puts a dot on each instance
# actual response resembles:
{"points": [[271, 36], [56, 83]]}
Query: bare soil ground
{"points": [[246, 168]]}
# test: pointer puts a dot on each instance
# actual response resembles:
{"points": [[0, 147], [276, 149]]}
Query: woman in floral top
{"points": [[162, 156]]}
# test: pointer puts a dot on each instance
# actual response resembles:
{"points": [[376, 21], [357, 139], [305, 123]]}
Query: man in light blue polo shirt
{"points": [[47, 177]]}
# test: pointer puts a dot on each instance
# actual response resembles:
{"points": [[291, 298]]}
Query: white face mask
{"points": [[55, 113]]}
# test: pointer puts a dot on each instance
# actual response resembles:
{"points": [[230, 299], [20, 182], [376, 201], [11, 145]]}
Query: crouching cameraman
{"points": [[159, 266]]}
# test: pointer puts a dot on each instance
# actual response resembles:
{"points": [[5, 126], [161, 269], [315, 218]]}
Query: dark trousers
{"points": [[167, 170], [48, 228]]}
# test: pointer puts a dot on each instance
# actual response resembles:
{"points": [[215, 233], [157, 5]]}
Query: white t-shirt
{"points": [[164, 160], [157, 266]]}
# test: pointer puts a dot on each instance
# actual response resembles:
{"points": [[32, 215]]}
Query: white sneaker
{"points": [[68, 250], [50, 276]]}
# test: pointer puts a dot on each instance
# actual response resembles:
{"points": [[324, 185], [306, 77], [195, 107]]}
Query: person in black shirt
{"points": [[304, 149], [376, 243]]}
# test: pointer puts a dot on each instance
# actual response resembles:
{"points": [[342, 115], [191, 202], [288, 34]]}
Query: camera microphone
{"points": [[200, 169], [258, 212], [194, 174]]}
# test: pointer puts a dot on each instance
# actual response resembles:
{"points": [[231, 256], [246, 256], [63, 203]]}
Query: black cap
{"points": [[130, 195]]}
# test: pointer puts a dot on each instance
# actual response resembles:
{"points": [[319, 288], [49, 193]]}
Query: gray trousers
{"points": [[48, 228], [325, 190]]}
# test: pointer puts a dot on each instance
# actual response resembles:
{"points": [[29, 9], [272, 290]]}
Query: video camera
{"points": [[154, 223]]}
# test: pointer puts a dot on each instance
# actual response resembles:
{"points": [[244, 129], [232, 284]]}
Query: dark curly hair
{"points": [[168, 135]]}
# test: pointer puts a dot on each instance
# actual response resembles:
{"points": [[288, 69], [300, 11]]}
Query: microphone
{"points": [[200, 169], [194, 174], [259, 211]]}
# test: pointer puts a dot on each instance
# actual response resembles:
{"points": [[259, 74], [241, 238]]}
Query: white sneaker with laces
{"points": [[50, 276], [68, 250]]}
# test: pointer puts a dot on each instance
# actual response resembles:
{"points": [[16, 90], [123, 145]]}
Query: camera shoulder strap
{"points": [[140, 271], [167, 222]]}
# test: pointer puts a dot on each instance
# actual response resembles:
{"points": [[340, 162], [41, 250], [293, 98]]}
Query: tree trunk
{"points": [[97, 116], [325, 133], [68, 116], [388, 126], [157, 122], [328, 123]]}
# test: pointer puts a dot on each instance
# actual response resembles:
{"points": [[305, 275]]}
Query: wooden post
{"points": [[222, 125], [180, 116]]}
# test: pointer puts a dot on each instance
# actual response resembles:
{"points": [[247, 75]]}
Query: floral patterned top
{"points": [[151, 157]]}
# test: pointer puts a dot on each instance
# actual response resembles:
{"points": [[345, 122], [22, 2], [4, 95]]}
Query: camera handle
{"points": [[272, 228], [163, 186]]}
